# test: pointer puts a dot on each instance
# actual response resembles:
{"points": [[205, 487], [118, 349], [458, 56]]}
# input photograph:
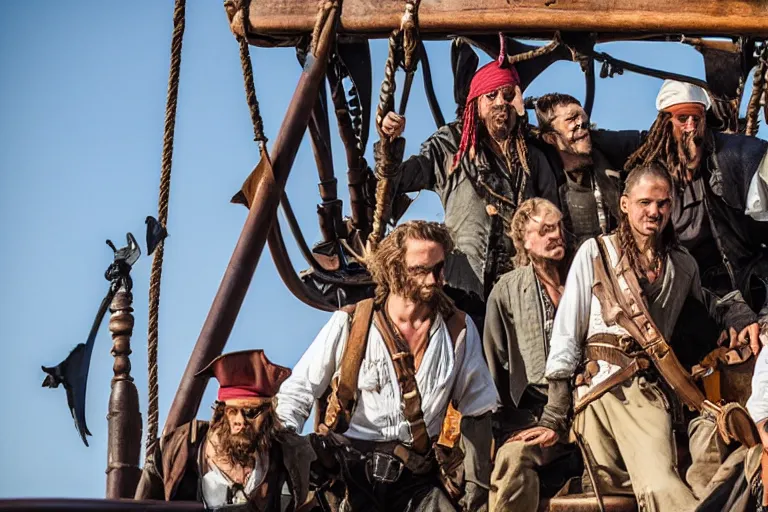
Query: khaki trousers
{"points": [[708, 453], [632, 447], [515, 480]]}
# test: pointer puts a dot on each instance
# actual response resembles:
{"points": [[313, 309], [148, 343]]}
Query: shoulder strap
{"points": [[633, 316], [402, 359], [341, 401]]}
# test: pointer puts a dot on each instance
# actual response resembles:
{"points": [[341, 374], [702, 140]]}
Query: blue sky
{"points": [[82, 99]]}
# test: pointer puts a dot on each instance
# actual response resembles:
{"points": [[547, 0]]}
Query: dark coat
{"points": [[476, 233], [727, 169]]}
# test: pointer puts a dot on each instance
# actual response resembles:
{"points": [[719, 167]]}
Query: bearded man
{"points": [[519, 319], [720, 188], [389, 367], [482, 168], [622, 299], [238, 461], [588, 186]]}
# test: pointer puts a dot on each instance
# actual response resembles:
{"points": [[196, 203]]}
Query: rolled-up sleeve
{"points": [[312, 374], [572, 317], [474, 392]]}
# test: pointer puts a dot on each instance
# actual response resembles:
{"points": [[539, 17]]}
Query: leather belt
{"points": [[612, 349]]}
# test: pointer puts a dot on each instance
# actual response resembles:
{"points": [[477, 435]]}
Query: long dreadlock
{"points": [[515, 153], [660, 148]]}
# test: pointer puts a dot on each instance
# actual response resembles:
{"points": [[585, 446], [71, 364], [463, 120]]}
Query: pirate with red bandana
{"points": [[240, 459], [482, 168]]}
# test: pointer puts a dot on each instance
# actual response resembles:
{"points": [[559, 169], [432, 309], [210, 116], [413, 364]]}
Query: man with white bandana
{"points": [[720, 188]]}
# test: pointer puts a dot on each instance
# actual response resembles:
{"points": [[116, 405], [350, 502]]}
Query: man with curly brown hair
{"points": [[519, 318], [389, 368]]}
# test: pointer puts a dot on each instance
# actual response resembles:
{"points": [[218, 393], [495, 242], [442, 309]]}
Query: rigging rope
{"points": [[758, 96], [157, 262], [250, 88], [324, 10], [387, 164], [535, 53]]}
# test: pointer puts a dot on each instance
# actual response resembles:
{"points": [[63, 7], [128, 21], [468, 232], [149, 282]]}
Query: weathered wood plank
{"points": [[378, 17]]}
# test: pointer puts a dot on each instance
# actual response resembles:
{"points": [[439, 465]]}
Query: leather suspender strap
{"points": [[341, 400], [402, 359], [637, 320], [732, 419]]}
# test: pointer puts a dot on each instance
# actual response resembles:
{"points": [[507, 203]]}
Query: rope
{"points": [[759, 91], [250, 88], [165, 189], [323, 12], [387, 165], [538, 52]]}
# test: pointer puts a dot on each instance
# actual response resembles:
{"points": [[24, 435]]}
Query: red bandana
{"points": [[488, 78]]}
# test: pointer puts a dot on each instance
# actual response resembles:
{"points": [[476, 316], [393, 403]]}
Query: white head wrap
{"points": [[673, 92]]}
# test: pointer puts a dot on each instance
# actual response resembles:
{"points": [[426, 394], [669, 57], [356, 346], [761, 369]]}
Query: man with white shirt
{"points": [[622, 299], [391, 367]]}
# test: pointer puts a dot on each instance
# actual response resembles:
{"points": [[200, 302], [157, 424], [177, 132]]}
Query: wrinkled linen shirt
{"points": [[446, 374], [757, 193], [216, 486], [579, 315]]}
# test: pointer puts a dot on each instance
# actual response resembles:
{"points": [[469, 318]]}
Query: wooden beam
{"points": [[375, 18]]}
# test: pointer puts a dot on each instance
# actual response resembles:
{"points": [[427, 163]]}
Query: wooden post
{"points": [[124, 418]]}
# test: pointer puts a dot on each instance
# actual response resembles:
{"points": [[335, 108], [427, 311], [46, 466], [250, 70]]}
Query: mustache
{"points": [[692, 138], [578, 135], [555, 245]]}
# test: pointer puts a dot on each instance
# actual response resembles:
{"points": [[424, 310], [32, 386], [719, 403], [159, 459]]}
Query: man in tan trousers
{"points": [[521, 311], [634, 281]]}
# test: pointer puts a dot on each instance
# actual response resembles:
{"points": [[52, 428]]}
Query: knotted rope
{"points": [[324, 11], [387, 162], [250, 87], [165, 190]]}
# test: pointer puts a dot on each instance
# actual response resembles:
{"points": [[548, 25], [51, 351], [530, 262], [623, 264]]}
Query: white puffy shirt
{"points": [[447, 373]]}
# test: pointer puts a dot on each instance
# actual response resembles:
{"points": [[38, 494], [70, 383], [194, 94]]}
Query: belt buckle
{"points": [[626, 343], [383, 468]]}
